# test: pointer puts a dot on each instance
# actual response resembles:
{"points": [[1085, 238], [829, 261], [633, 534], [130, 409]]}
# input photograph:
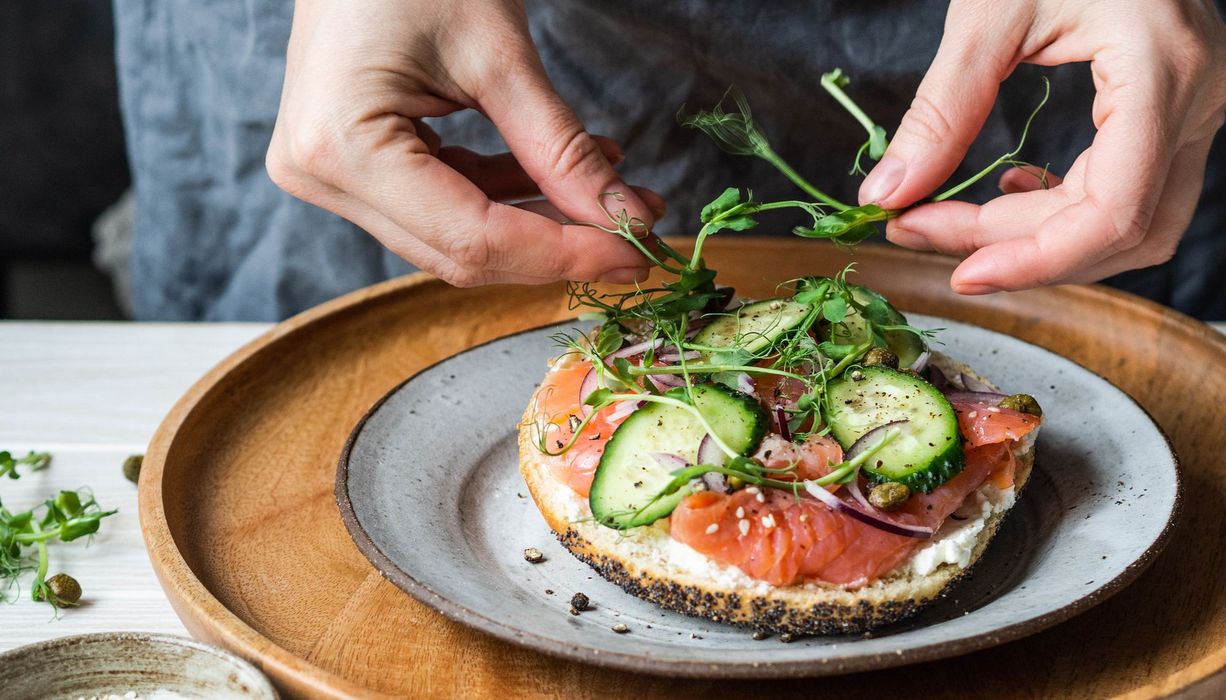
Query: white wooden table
{"points": [[92, 394]]}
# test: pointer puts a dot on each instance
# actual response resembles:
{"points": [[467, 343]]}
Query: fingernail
{"points": [[974, 289], [883, 180], [908, 239], [631, 201], [624, 275]]}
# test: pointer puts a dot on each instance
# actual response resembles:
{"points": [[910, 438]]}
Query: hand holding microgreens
{"points": [[69, 516], [737, 133], [654, 345]]}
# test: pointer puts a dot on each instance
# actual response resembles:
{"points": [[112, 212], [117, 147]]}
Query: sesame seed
{"points": [[712, 528], [620, 628], [804, 517], [768, 521], [753, 489], [743, 525], [761, 498], [740, 512], [972, 414]]}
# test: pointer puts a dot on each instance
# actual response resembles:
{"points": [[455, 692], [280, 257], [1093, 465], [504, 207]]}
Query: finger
{"points": [[1178, 204], [438, 206], [410, 248], [500, 176], [428, 136], [1028, 178], [1125, 167], [553, 147], [976, 53], [960, 228], [545, 208]]}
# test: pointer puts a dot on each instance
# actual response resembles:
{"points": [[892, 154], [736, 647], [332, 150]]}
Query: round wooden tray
{"points": [[238, 512]]}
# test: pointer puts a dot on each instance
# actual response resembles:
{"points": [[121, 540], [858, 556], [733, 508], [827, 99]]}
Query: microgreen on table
{"points": [[25, 535]]}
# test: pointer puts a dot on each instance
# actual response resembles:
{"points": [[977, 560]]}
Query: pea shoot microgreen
{"points": [[68, 516], [34, 460], [664, 320]]}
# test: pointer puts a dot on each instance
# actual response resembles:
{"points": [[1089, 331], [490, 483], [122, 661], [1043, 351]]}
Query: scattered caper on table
{"points": [[61, 590], [131, 467]]}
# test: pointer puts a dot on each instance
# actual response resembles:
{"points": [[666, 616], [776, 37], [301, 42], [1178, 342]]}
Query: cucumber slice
{"points": [[753, 326], [927, 453], [854, 331], [628, 476]]}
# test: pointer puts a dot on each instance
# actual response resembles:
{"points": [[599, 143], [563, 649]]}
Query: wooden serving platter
{"points": [[237, 507]]}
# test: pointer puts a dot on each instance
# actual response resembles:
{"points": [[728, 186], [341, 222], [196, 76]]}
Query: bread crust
{"points": [[640, 563]]}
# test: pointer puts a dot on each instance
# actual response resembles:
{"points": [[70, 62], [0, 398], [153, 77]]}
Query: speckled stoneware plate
{"points": [[128, 665], [429, 488]]}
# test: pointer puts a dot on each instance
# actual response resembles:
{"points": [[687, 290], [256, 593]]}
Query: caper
{"points": [[1022, 403], [881, 356], [131, 467], [889, 495], [64, 590]]}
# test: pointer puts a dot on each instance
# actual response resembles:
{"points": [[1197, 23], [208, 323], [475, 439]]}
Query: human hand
{"points": [[360, 76], [1159, 69]]}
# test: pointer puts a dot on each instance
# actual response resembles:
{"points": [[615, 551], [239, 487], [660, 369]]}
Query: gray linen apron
{"points": [[216, 240]]}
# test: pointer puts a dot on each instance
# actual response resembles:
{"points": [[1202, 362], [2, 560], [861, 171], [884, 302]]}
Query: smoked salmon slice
{"points": [[783, 539]]}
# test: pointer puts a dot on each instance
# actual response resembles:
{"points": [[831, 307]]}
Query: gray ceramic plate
{"points": [[430, 490]]}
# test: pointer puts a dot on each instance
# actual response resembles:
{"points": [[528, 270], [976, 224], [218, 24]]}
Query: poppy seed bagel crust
{"points": [[646, 562]]}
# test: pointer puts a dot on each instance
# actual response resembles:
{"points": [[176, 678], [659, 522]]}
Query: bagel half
{"points": [[648, 563]]}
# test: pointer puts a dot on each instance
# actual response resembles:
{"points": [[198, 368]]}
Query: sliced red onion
{"points": [[697, 325], [835, 503], [745, 383], [623, 409], [709, 452], [853, 487], [971, 383], [989, 398], [670, 461], [716, 482], [673, 357], [921, 362], [943, 384], [781, 417], [591, 382], [667, 380], [871, 438], [638, 348]]}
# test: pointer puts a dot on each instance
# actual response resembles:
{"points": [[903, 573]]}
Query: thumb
{"points": [[953, 101], [553, 147]]}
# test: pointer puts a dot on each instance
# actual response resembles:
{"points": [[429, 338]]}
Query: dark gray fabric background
{"points": [[215, 239]]}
